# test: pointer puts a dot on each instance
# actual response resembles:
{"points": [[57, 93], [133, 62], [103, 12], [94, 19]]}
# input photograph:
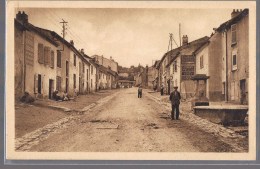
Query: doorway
{"points": [[243, 91], [51, 88], [67, 85], [39, 84]]}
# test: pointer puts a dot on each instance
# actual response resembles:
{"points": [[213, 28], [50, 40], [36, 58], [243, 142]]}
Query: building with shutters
{"points": [[177, 66], [45, 62], [235, 72], [35, 63]]}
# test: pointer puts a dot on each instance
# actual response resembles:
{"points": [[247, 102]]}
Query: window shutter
{"points": [[40, 53], [52, 59], [36, 83], [58, 58], [80, 70], [46, 55], [233, 33]]}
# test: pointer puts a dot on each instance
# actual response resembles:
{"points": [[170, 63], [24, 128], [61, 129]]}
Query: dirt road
{"points": [[129, 124]]}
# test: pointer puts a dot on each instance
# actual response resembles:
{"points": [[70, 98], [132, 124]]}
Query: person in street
{"points": [[162, 88], [175, 98], [140, 91]]}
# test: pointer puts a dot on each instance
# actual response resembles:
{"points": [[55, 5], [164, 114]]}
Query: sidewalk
{"points": [[29, 117]]}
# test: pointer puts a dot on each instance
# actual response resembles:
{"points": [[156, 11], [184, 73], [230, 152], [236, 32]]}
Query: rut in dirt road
{"points": [[130, 124]]}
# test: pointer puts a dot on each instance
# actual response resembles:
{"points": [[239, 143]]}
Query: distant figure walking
{"points": [[175, 98], [140, 90], [162, 88]]}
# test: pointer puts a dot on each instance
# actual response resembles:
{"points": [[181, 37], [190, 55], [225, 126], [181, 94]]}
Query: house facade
{"points": [[46, 62], [35, 61]]}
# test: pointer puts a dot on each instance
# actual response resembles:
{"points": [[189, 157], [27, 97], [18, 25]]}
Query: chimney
{"points": [[22, 17], [235, 12], [72, 42], [110, 57], [82, 51], [185, 40]]}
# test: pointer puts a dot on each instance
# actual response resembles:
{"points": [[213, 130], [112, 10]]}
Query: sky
{"points": [[131, 36]]}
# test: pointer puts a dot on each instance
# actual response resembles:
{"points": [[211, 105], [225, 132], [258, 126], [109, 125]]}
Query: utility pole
{"points": [[180, 32], [170, 42], [64, 24]]}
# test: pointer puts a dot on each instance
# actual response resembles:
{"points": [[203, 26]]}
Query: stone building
{"points": [[151, 77], [235, 72], [108, 63], [35, 63], [177, 66], [47, 62]]}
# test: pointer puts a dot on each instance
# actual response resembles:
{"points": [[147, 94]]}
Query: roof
{"points": [[227, 24], [41, 32], [199, 77], [188, 49], [106, 70]]}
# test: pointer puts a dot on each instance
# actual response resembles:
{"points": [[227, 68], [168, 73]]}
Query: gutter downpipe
{"points": [[226, 68]]}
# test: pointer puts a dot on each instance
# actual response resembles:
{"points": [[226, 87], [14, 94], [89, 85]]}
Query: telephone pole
{"points": [[64, 24]]}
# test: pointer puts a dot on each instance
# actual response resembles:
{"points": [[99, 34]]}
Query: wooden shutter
{"points": [[36, 83], [233, 33], [52, 59], [58, 58], [40, 53], [47, 55], [80, 69]]}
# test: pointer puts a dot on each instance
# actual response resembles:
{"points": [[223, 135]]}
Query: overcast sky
{"points": [[130, 36]]}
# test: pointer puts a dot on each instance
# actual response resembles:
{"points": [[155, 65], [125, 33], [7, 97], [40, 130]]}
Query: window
{"points": [[80, 69], [58, 83], [83, 68], [47, 55], [91, 69], [233, 34], [87, 74], [74, 81], [91, 83], [58, 58], [234, 60], [52, 59], [40, 53], [74, 60], [175, 66], [201, 62], [99, 75]]}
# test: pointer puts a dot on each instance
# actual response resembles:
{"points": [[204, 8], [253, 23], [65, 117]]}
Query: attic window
{"points": [[233, 34]]}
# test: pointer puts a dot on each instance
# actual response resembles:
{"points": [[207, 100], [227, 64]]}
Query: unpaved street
{"points": [[128, 124]]}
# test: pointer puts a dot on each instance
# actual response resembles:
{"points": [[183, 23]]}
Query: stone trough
{"points": [[222, 114]]}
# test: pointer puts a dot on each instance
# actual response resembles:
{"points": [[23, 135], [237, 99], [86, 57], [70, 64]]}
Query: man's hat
{"points": [[175, 87]]}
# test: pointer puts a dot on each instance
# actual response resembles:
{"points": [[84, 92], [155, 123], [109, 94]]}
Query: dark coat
{"points": [[175, 99]]}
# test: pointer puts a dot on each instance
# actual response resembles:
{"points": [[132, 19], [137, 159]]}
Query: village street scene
{"points": [[185, 89]]}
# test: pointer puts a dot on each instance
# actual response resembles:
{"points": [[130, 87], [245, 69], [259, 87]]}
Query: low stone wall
{"points": [[224, 114]]}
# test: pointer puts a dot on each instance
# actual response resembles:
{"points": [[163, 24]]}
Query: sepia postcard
{"points": [[128, 80]]}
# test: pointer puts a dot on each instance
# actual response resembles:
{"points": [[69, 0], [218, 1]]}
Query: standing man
{"points": [[140, 91], [175, 98]]}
